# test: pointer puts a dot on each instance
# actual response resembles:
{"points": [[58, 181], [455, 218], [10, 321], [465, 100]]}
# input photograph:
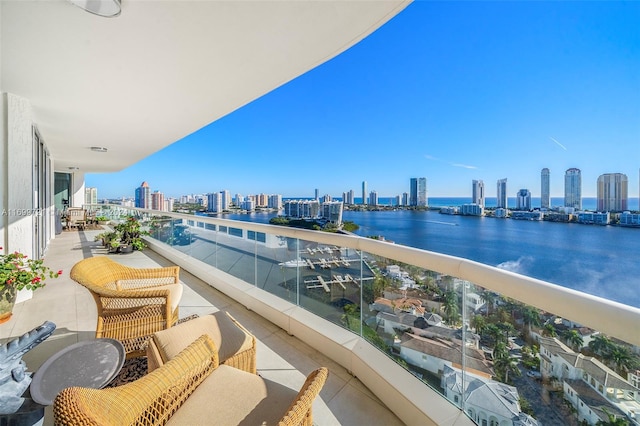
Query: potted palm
{"points": [[129, 236], [18, 272]]}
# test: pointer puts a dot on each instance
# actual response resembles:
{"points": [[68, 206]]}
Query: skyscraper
{"points": [[91, 195], [157, 200], [373, 198], [573, 189], [364, 192], [613, 192], [214, 202], [143, 196], [477, 192], [501, 194], [317, 194], [545, 194], [418, 192], [523, 200]]}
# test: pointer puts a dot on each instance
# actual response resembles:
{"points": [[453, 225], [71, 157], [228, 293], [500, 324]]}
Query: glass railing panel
{"points": [[415, 316], [518, 358], [558, 371], [329, 283]]}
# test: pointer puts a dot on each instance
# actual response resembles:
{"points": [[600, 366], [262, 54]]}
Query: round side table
{"points": [[90, 364]]}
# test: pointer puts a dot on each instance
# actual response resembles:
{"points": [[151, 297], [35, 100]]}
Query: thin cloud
{"points": [[558, 143], [464, 166]]}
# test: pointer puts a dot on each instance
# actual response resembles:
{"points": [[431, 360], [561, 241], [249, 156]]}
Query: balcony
{"points": [[295, 286], [281, 357]]}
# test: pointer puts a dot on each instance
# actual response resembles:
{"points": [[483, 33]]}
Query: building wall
{"points": [[19, 179]]}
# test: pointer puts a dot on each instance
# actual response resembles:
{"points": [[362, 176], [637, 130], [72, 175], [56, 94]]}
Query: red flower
{"points": [[60, 272], [35, 280]]}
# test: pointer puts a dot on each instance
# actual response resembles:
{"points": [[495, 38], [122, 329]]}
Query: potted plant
{"points": [[129, 235], [18, 272], [102, 220]]}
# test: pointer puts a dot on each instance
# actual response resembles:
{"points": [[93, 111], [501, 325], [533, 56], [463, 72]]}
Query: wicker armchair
{"points": [[192, 389], [132, 303], [150, 400], [236, 345]]}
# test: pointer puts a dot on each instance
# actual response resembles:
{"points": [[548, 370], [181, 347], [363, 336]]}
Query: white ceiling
{"points": [[162, 69]]}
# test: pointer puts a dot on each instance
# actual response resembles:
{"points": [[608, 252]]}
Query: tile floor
{"points": [[344, 400]]}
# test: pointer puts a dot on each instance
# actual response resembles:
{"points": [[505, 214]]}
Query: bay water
{"points": [[599, 260]]}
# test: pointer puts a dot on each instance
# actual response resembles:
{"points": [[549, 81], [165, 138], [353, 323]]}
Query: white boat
{"points": [[293, 263]]}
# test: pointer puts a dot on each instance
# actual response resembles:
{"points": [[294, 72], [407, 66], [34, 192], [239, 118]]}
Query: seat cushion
{"points": [[234, 397], [175, 294], [228, 337]]}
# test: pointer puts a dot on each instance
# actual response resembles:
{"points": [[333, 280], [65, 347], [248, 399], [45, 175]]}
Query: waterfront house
{"points": [[588, 384]]}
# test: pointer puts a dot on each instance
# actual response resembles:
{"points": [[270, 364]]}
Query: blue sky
{"points": [[450, 91]]}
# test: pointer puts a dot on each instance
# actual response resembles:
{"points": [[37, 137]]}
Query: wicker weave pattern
{"points": [[129, 308], [300, 411], [151, 400]]}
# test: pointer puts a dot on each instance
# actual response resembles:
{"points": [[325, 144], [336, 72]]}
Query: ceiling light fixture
{"points": [[104, 8], [99, 149]]}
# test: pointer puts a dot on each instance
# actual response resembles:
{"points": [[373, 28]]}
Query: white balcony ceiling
{"points": [[162, 69]]}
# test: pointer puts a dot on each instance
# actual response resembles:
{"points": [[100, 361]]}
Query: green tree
{"points": [[506, 366], [530, 317], [500, 351], [621, 357], [573, 339], [478, 323], [601, 346], [549, 330], [612, 420], [451, 306]]}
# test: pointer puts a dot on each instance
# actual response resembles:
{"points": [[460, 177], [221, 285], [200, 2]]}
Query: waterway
{"points": [[599, 260]]}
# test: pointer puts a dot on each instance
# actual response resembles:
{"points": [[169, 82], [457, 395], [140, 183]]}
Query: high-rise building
{"points": [[523, 200], [157, 200], [143, 196], [91, 195], [317, 194], [364, 192], [275, 201], [612, 192], [573, 189], [226, 199], [545, 194], [418, 192], [214, 202], [405, 198], [168, 204], [477, 192], [373, 198], [501, 194]]}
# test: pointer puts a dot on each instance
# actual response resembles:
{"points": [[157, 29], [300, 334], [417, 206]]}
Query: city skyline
{"points": [[454, 92]]}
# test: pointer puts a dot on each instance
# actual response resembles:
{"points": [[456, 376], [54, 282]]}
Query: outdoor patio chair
{"points": [[76, 217], [132, 303], [236, 345], [193, 389]]}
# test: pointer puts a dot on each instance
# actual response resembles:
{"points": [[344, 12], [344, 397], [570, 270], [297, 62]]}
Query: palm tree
{"points": [[612, 420], [491, 298], [621, 357], [450, 307], [530, 317], [494, 332], [479, 323], [549, 330], [601, 346], [506, 366], [500, 351], [507, 328], [573, 339]]}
